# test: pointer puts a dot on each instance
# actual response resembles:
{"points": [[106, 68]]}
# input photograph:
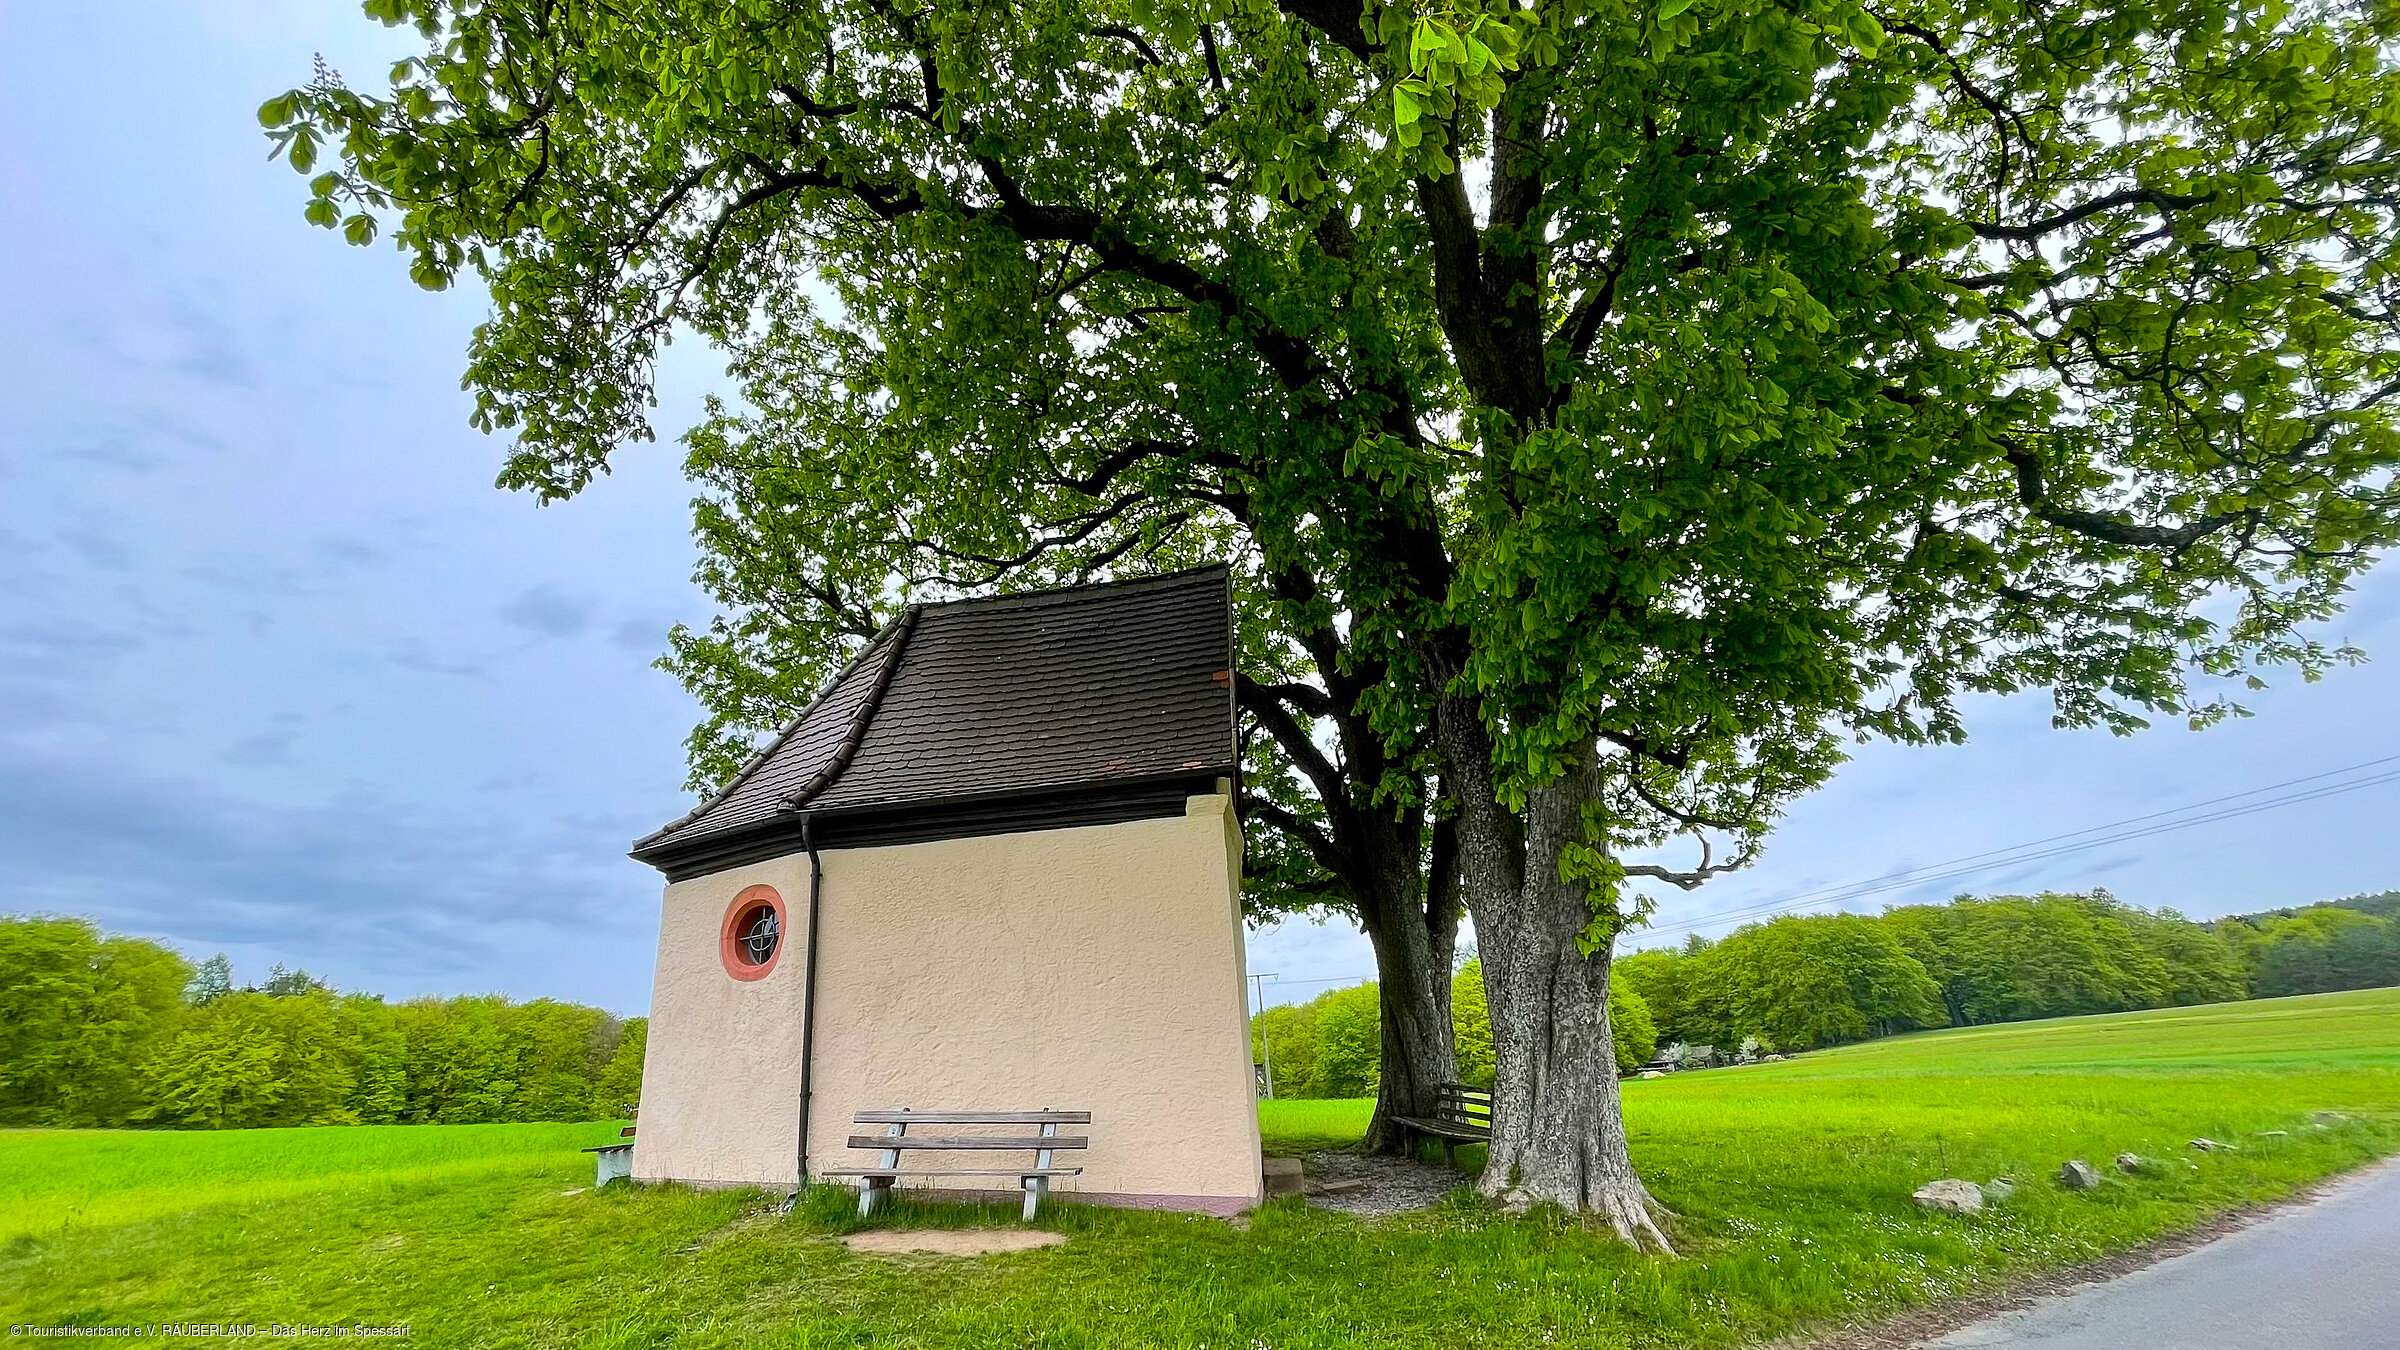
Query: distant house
{"points": [[1002, 845]]}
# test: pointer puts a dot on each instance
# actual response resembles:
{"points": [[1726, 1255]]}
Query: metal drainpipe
{"points": [[808, 997]]}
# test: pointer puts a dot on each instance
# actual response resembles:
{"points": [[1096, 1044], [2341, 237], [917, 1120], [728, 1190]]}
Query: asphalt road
{"points": [[2325, 1276]]}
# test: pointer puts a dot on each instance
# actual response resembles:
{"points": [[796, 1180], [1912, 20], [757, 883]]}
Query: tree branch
{"points": [[2033, 490], [1698, 876], [2162, 201], [1296, 742], [1341, 21], [1319, 845]]}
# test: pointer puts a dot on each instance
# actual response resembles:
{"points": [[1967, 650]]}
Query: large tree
{"points": [[1646, 396]]}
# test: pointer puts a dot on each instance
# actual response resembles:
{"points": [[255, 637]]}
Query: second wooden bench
{"points": [[1461, 1115]]}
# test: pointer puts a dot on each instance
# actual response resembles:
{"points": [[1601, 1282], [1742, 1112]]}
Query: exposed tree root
{"points": [[1627, 1206]]}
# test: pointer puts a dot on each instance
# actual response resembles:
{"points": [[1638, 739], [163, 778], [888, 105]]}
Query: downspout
{"points": [[808, 996], [795, 801]]}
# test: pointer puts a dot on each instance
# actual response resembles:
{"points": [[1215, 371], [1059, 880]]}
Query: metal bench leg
{"points": [[869, 1188], [1037, 1187]]}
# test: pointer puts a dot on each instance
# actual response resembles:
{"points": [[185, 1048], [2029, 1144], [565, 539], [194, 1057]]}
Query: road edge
{"points": [[1911, 1329]]}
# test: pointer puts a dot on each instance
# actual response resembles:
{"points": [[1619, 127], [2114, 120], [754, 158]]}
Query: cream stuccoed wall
{"points": [[1095, 969]]}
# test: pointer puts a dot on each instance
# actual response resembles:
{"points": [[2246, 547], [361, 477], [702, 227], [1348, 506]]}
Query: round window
{"points": [[753, 933], [754, 937]]}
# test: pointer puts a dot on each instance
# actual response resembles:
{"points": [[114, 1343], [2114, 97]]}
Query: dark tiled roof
{"points": [[1058, 689]]}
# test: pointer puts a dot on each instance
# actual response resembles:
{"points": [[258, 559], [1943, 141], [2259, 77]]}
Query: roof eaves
{"points": [[769, 826]]}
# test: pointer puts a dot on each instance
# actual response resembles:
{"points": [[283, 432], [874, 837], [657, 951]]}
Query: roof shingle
{"points": [[1070, 688]]}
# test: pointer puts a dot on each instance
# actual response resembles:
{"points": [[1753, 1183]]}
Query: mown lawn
{"points": [[1792, 1181]]}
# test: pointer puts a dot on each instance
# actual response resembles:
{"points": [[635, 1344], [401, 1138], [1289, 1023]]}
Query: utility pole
{"points": [[1266, 1052]]}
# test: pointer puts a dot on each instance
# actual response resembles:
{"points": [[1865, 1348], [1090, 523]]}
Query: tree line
{"points": [[104, 1030], [1332, 1045], [1807, 981]]}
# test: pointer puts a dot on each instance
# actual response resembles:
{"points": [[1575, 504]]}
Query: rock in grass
{"points": [[1649, 1073], [2274, 1134], [2211, 1146], [2078, 1175], [1999, 1189], [2324, 1119], [1951, 1196], [2129, 1163]]}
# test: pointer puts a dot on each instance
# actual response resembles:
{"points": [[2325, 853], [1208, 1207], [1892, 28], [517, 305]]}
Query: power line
{"points": [[2057, 845], [1338, 979], [2155, 815], [2011, 858], [2036, 850]]}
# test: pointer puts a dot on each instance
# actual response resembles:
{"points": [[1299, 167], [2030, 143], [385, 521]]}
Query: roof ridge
{"points": [[1062, 592], [860, 720], [767, 752]]}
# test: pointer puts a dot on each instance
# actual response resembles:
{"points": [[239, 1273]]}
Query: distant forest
{"points": [[104, 1030], [1808, 981]]}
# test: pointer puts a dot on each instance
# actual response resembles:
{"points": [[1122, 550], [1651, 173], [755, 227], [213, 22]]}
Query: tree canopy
{"points": [[1782, 361]]}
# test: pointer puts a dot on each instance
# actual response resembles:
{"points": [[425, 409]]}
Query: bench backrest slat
{"points": [[972, 1118], [1463, 1104], [889, 1142]]}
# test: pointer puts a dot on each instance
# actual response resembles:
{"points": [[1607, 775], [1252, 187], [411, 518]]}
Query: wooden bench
{"points": [[895, 1139], [1461, 1115], [615, 1160]]}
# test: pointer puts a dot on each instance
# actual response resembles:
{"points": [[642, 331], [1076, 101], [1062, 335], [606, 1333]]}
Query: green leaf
{"points": [[1671, 8]]}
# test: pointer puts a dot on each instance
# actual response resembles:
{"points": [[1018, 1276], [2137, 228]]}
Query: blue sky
{"points": [[282, 674]]}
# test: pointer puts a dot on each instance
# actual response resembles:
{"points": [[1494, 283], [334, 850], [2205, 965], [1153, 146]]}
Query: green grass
{"points": [[64, 1180], [1792, 1181]]}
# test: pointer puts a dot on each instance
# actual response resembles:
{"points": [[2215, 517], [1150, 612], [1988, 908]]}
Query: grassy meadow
{"points": [[1791, 1181]]}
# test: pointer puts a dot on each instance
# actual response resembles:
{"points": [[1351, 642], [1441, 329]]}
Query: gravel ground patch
{"points": [[1394, 1185], [952, 1241]]}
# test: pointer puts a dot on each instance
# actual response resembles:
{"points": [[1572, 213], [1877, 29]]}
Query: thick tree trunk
{"points": [[1558, 1131], [1558, 1128], [1412, 921], [1419, 1052]]}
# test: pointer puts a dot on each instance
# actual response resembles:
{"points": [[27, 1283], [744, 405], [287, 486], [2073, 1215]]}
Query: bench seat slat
{"points": [[951, 1172], [972, 1118], [1447, 1129], [964, 1141]]}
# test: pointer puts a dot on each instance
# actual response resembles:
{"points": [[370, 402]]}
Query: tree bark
{"points": [[1414, 934], [1558, 1127], [1558, 1131]]}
